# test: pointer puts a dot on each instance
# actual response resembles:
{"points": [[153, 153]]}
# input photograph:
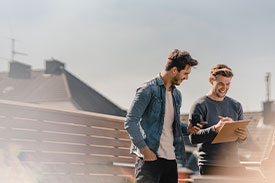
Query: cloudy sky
{"points": [[115, 45]]}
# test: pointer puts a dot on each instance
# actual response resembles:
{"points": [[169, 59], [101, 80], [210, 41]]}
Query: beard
{"points": [[220, 94], [176, 81]]}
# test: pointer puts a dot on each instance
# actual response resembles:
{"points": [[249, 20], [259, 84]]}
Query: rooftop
{"points": [[54, 86]]}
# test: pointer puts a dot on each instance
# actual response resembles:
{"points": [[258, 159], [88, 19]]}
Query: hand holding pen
{"points": [[221, 123]]}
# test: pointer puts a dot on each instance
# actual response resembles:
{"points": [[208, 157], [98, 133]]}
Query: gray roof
{"points": [[39, 88], [89, 99], [62, 88]]}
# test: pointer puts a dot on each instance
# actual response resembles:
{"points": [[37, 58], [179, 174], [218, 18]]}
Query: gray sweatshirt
{"points": [[222, 154]]}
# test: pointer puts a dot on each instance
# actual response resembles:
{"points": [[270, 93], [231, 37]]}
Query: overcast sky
{"points": [[115, 45]]}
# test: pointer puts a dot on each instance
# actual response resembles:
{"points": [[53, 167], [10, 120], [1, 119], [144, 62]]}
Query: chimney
{"points": [[19, 70], [269, 106], [54, 67], [269, 113]]}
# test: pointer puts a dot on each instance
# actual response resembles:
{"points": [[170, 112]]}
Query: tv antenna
{"points": [[13, 51], [267, 79]]}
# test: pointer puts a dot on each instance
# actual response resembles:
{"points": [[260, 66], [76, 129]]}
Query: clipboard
{"points": [[227, 132]]}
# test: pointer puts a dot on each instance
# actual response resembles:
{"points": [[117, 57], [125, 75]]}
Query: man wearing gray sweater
{"points": [[222, 158]]}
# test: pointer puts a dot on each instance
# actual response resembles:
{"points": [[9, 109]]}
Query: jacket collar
{"points": [[160, 81]]}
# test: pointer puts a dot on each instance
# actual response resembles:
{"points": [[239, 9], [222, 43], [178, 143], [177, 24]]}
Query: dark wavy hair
{"points": [[179, 59]]}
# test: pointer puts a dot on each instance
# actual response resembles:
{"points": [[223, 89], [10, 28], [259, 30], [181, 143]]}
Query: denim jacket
{"points": [[145, 118]]}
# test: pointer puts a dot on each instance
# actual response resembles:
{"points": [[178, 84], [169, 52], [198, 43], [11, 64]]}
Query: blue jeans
{"points": [[159, 171]]}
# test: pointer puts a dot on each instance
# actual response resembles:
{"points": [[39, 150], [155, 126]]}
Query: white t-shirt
{"points": [[166, 149]]}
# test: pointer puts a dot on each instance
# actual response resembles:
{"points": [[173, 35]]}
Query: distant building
{"points": [[54, 87]]}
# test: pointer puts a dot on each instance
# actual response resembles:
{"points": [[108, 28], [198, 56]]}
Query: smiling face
{"points": [[180, 76], [220, 86]]}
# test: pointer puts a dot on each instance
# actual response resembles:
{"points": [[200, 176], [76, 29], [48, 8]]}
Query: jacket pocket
{"points": [[156, 104]]}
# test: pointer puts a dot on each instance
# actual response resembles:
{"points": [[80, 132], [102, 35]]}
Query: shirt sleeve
{"points": [[138, 106], [240, 112], [240, 117], [205, 134]]}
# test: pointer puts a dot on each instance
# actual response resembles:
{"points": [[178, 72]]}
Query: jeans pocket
{"points": [[147, 171]]}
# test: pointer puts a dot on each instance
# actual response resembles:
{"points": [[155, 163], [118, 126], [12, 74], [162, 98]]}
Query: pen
{"points": [[221, 117]]}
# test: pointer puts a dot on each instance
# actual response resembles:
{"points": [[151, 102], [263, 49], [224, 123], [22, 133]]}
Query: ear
{"points": [[174, 70], [211, 80]]}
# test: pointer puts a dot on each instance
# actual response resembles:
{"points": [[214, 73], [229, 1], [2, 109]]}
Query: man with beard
{"points": [[222, 158], [153, 122]]}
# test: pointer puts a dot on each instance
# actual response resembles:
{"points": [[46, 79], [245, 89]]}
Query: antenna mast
{"points": [[267, 79], [13, 52]]}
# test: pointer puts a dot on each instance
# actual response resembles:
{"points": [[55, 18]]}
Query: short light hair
{"points": [[221, 69]]}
